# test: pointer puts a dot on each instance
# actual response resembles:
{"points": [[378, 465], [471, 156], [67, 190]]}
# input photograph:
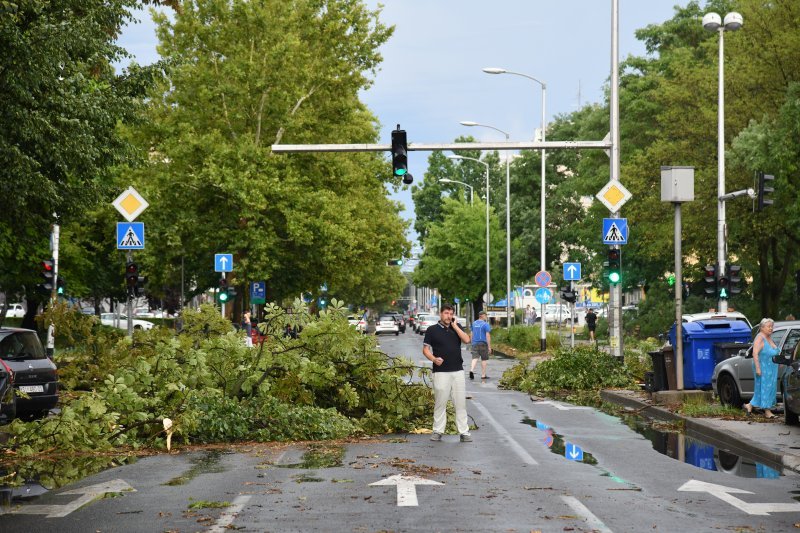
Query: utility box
{"points": [[677, 184]]}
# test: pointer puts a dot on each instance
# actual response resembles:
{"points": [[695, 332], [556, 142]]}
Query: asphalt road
{"points": [[517, 475]]}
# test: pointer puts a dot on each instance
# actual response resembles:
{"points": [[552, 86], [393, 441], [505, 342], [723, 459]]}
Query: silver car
{"points": [[733, 380]]}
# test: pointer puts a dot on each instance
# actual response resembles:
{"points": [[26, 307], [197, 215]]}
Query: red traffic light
{"points": [[48, 266]]}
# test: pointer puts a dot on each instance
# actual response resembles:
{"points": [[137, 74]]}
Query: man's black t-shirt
{"points": [[591, 320], [445, 343]]}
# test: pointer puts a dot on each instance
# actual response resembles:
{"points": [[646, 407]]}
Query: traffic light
{"points": [[734, 279], [223, 290], [569, 295], [395, 262], [671, 280], [614, 270], [48, 272], [723, 286], [139, 290], [400, 155], [710, 277], [131, 277], [764, 188], [323, 300], [61, 286]]}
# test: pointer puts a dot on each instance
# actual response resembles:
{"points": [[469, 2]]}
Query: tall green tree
{"points": [[246, 75]]}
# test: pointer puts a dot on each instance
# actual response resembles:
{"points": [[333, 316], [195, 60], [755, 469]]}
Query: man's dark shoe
{"points": [[471, 374], [466, 437], [436, 437]]}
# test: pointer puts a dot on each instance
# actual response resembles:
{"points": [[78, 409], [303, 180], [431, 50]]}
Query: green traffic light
{"points": [[400, 171], [613, 277], [61, 290], [223, 297], [671, 280]]}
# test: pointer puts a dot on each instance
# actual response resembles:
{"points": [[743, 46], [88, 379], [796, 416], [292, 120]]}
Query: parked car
{"points": [[426, 321], [401, 321], [8, 400], [730, 315], [358, 322], [733, 380], [557, 313], [15, 311], [386, 324], [121, 321], [33, 372], [789, 386]]}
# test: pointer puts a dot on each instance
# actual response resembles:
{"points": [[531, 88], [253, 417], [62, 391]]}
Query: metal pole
{"points": [[222, 306], [722, 304], [488, 298], [615, 292], [129, 304], [541, 208], [508, 241], [678, 298], [571, 318], [51, 327]]}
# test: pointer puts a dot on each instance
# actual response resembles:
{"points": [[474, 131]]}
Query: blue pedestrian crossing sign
{"points": [[573, 452], [223, 262], [543, 295], [615, 231], [130, 235], [572, 271]]}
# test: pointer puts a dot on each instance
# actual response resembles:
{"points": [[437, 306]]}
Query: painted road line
{"points": [[406, 488], [519, 450], [230, 514], [726, 494], [87, 495], [592, 521]]}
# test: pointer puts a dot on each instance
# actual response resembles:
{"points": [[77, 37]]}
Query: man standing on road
{"points": [[442, 346], [481, 344], [591, 322]]}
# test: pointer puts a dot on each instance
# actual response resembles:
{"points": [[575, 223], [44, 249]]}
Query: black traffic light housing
{"points": [[48, 272], [400, 155], [394, 262], [734, 279], [765, 188], [569, 295], [614, 266], [710, 277], [223, 290], [131, 277]]}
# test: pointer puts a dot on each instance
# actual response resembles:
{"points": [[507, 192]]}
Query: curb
{"points": [[720, 438]]}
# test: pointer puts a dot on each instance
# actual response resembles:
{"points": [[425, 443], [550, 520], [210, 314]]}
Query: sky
{"points": [[431, 77]]}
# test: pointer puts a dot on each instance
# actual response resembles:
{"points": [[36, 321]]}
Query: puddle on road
{"points": [[207, 464], [557, 445], [27, 480], [318, 456], [696, 452]]}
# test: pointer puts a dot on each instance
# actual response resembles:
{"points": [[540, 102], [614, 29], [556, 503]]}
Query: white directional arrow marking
{"points": [[88, 494], [406, 488], [562, 407], [726, 494], [223, 261], [572, 269], [574, 453]]}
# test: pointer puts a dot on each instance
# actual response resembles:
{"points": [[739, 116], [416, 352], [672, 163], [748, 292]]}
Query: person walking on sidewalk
{"points": [[481, 344], [442, 346], [591, 323], [765, 370]]}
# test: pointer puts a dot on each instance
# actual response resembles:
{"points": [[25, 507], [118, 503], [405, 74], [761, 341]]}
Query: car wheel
{"points": [[789, 417], [728, 391], [396, 333]]}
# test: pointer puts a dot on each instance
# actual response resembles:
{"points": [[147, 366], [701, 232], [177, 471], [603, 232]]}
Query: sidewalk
{"points": [[773, 441]]}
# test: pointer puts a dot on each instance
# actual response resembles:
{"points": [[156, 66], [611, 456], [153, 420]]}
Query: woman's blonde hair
{"points": [[764, 322]]}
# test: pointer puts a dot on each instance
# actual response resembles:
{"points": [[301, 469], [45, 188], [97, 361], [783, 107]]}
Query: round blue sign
{"points": [[543, 295]]}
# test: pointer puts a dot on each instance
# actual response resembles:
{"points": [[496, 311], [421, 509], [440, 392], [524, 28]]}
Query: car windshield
{"points": [[19, 345], [386, 318]]}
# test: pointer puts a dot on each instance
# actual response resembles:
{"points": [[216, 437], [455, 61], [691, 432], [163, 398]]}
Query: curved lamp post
{"points": [[446, 180], [495, 70], [713, 22], [487, 216], [508, 219]]}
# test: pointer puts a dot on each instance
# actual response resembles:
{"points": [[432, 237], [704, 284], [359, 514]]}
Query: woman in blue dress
{"points": [[764, 370]]}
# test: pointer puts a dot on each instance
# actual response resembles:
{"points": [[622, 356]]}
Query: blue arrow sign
{"points": [[572, 271], [573, 452], [543, 295], [615, 231], [130, 235], [223, 262]]}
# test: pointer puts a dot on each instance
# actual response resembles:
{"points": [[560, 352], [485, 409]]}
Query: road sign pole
{"points": [[51, 328], [571, 318], [678, 298], [222, 302], [129, 308], [615, 331]]}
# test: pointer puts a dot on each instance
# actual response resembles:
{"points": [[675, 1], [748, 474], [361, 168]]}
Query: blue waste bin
{"points": [[699, 339]]}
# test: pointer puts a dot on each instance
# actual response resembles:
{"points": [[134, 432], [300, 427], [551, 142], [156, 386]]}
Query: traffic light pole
{"points": [[129, 307], [51, 327], [572, 318], [678, 297], [222, 302]]}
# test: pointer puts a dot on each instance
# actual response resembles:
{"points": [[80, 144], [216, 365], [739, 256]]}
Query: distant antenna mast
{"points": [[579, 94]]}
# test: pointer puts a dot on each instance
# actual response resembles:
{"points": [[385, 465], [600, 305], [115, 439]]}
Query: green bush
{"points": [[526, 338]]}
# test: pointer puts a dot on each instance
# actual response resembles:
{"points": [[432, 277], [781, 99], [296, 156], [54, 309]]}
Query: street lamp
{"points": [[445, 180], [508, 220], [495, 70], [713, 22], [487, 215]]}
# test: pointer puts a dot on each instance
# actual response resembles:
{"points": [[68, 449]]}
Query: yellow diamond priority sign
{"points": [[614, 195], [130, 204]]}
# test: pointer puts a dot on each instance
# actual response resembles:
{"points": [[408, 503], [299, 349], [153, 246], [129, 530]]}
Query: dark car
{"points": [[790, 384], [401, 321], [34, 373], [8, 400]]}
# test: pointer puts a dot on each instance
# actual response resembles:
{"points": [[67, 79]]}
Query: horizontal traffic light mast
{"points": [[434, 147]]}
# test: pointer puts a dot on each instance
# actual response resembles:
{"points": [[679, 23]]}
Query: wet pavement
{"points": [[769, 443]]}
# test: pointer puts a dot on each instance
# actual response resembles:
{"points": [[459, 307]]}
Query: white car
{"points": [[121, 321], [554, 313], [15, 311], [730, 315], [357, 322], [387, 324], [425, 321]]}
